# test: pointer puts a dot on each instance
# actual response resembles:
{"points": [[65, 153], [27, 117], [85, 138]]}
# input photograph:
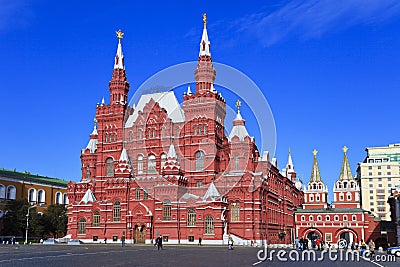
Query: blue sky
{"points": [[329, 70]]}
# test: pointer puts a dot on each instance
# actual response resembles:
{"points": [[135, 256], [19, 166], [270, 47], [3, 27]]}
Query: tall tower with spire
{"points": [[316, 195], [205, 112], [346, 191], [107, 137], [289, 171]]}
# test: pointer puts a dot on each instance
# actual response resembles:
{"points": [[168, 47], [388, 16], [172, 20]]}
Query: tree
{"points": [[55, 220], [15, 217]]}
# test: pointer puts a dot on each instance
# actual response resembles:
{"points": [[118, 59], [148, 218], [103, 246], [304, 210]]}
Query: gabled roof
{"points": [[166, 100], [88, 197]]}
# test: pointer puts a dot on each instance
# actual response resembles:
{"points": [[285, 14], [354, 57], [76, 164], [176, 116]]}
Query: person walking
{"points": [[123, 240], [200, 241], [159, 242], [363, 247], [371, 246]]}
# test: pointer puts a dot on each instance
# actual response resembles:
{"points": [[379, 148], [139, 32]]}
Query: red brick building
{"points": [[344, 219], [162, 168]]}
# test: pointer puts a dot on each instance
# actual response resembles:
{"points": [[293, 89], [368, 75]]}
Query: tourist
{"points": [[363, 247], [199, 241], [159, 242], [371, 246], [123, 240], [230, 242]]}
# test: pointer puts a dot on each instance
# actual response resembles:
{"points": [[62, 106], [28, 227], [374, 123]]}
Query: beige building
{"points": [[377, 174]]}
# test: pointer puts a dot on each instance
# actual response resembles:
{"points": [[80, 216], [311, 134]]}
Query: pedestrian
{"points": [[297, 243], [363, 247], [318, 243], [301, 243], [200, 241], [371, 246], [159, 242], [105, 240], [123, 240], [230, 242]]}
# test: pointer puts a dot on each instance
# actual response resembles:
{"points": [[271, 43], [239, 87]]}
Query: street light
{"points": [[27, 224]]}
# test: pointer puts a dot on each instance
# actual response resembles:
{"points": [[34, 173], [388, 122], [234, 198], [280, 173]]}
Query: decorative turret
{"points": [[205, 72], [239, 129], [316, 195], [288, 171], [171, 169], [123, 169], [119, 85], [346, 190]]}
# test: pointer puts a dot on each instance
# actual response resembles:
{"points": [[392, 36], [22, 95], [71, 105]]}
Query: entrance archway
{"points": [[313, 236], [140, 234]]}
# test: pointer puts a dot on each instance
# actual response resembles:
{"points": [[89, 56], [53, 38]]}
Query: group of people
{"points": [[305, 243]]}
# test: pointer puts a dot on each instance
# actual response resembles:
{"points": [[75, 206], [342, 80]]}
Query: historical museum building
{"points": [[344, 218], [161, 168], [40, 190]]}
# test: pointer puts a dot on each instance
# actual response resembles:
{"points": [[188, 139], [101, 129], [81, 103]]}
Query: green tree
{"points": [[15, 218], [55, 220]]}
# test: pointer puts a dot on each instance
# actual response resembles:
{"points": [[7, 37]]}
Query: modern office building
{"points": [[376, 176]]}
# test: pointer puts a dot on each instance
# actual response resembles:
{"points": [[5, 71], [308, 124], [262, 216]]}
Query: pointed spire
{"points": [[290, 161], [213, 89], [239, 128], [315, 174], [345, 171], [189, 92], [204, 43], [119, 57], [171, 152], [94, 127], [124, 156], [102, 101]]}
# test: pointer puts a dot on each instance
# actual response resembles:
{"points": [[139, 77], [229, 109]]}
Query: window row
{"points": [[39, 196], [327, 218], [8, 193], [110, 137]]}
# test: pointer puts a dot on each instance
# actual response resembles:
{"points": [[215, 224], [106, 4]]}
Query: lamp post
{"points": [[27, 223]]}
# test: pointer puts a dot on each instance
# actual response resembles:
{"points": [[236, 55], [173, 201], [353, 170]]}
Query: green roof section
{"points": [[331, 210], [27, 176]]}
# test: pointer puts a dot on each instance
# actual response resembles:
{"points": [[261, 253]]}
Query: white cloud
{"points": [[312, 18]]}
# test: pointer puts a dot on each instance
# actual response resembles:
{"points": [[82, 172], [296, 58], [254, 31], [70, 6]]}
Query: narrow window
{"points": [[209, 225], [109, 167], [235, 212], [151, 166], [82, 226], [167, 210], [116, 212], [96, 219], [191, 217], [140, 165], [199, 161]]}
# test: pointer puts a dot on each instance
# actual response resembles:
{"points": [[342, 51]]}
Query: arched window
{"points": [[87, 172], [96, 219], [191, 217], [319, 218], [311, 218], [349, 196], [167, 210], [235, 212], [140, 134], [163, 159], [137, 193], [130, 135], [336, 218], [109, 167], [2, 191], [82, 226], [354, 218], [303, 218], [117, 212], [140, 164], [199, 160], [236, 163], [41, 196], [65, 200], [327, 218], [58, 198], [32, 195], [151, 165], [11, 192], [345, 218], [209, 225]]}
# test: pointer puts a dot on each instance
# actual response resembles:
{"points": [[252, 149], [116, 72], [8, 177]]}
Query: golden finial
{"points": [[205, 20], [120, 34], [315, 152], [238, 104], [345, 148]]}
